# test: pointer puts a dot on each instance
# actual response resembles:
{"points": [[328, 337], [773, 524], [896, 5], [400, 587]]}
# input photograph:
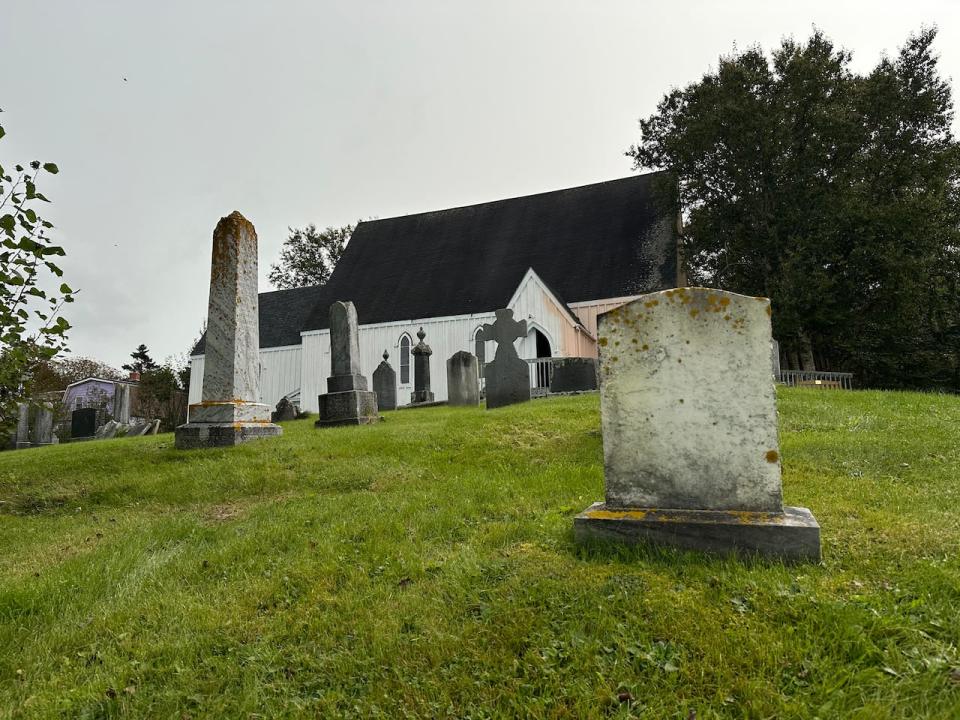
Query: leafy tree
{"points": [[56, 374], [31, 327], [835, 194], [308, 256], [161, 395], [142, 362]]}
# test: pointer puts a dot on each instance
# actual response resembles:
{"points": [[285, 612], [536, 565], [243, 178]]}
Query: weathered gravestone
{"points": [[463, 379], [22, 438], [507, 377], [83, 424], [689, 419], [284, 411], [775, 358], [230, 411], [385, 384], [421, 371], [121, 403], [42, 431], [573, 374], [347, 401]]}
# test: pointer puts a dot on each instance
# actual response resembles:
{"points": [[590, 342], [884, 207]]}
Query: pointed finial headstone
{"points": [[386, 356], [421, 334]]}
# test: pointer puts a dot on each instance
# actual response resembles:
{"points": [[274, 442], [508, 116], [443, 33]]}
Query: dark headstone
{"points": [[285, 411], [507, 377], [42, 431], [574, 374], [83, 423], [463, 383], [22, 437], [347, 400], [385, 384], [421, 371]]}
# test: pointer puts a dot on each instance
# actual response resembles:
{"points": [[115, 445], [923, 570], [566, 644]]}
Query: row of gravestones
{"points": [[687, 406]]}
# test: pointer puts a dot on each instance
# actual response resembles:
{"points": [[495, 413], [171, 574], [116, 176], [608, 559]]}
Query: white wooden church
{"points": [[557, 259]]}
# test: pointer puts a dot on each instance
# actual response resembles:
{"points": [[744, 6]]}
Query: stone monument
{"points": [[347, 401], [507, 377], [284, 411], [42, 432], [385, 384], [463, 379], [573, 374], [22, 438], [689, 419], [230, 411], [121, 403], [421, 371]]}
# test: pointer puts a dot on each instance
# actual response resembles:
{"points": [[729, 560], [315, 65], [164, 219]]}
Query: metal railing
{"points": [[817, 379], [541, 375]]}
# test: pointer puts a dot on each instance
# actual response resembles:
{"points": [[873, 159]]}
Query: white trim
{"points": [[531, 274], [103, 380], [415, 321], [604, 301], [534, 325]]}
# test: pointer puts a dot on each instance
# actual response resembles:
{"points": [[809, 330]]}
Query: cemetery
{"points": [[503, 433]]}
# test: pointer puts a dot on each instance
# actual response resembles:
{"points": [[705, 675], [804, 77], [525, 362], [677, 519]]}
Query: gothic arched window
{"points": [[404, 359]]}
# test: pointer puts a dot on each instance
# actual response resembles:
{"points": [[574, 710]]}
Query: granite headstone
{"points": [[347, 400], [421, 371], [230, 411], [689, 420], [385, 384], [463, 379], [573, 374], [507, 378]]}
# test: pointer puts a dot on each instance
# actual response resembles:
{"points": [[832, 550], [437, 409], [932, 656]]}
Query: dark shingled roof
{"points": [[606, 240], [596, 241], [282, 316]]}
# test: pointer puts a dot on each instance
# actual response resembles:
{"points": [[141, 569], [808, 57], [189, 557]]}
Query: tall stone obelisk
{"points": [[230, 411]]}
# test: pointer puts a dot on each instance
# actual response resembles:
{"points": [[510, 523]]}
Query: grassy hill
{"points": [[425, 568]]}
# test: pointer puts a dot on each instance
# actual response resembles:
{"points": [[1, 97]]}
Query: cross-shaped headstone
{"points": [[504, 331]]}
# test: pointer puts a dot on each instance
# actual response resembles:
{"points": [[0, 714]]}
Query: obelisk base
{"points": [[793, 535], [351, 407], [224, 424]]}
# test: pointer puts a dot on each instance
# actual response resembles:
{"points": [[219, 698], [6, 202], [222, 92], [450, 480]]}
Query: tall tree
{"points": [[142, 362], [832, 193], [32, 328], [309, 255]]}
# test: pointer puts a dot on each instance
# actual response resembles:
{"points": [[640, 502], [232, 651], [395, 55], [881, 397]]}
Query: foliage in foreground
{"points": [[309, 255], [425, 567], [32, 329], [835, 194]]}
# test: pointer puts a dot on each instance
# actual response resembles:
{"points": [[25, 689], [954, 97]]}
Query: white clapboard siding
{"points": [[307, 366]]}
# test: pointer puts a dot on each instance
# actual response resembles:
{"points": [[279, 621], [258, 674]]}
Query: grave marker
{"points": [[507, 377], [689, 420], [347, 401], [230, 411]]}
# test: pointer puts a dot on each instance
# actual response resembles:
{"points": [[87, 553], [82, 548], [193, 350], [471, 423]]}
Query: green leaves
{"points": [[51, 168]]}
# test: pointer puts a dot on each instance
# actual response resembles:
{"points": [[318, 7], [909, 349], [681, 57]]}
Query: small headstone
{"points": [[421, 371], [507, 377], [285, 411], [42, 433], [108, 430], [463, 379], [689, 419], [347, 400], [230, 411], [121, 403], [152, 428], [573, 374], [385, 384], [83, 424], [22, 438]]}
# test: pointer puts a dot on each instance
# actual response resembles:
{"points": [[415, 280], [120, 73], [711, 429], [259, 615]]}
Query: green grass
{"points": [[425, 567]]}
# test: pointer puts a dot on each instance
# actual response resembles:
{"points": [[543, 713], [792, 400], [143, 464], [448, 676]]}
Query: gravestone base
{"points": [[793, 535], [352, 407], [23, 445], [197, 435], [419, 397]]}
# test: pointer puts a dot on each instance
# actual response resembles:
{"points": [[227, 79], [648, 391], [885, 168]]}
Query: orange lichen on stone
{"points": [[772, 456], [603, 342], [724, 301], [694, 313], [618, 514], [651, 303], [769, 311]]}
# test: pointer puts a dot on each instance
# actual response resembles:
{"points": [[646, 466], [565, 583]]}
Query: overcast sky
{"points": [[163, 117]]}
